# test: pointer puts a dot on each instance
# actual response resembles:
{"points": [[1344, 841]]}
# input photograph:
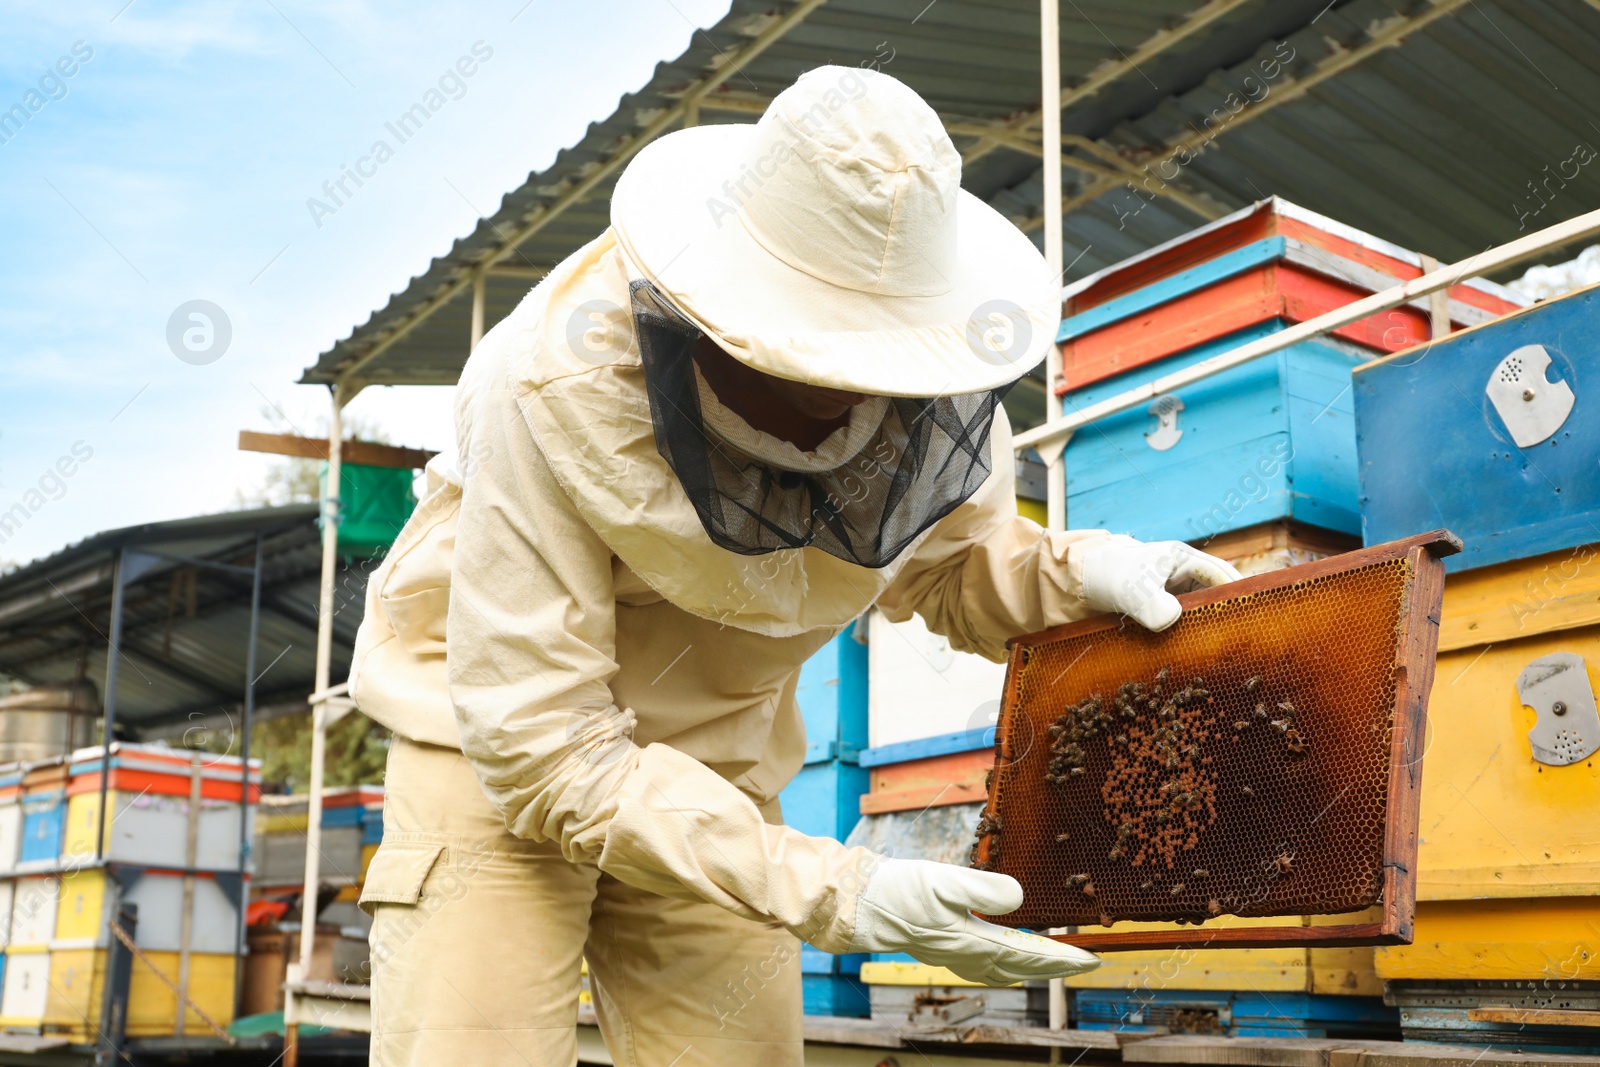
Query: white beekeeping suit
{"points": [[587, 639]]}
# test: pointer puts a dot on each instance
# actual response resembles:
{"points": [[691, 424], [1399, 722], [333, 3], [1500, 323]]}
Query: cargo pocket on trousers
{"points": [[397, 874]]}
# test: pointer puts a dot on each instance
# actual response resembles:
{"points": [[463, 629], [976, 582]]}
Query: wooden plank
{"points": [[1511, 939], [361, 453], [1443, 542], [932, 796], [936, 781], [1307, 295], [1201, 937], [1256, 254], [1534, 1016], [1415, 654], [1328, 1052], [1193, 319], [1246, 1052], [1521, 598], [925, 747], [1150, 267], [1401, 270]]}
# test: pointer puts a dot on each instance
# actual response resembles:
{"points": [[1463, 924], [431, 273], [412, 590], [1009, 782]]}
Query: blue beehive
{"points": [[1492, 433], [1270, 439], [824, 800], [42, 826], [832, 693], [832, 984], [1250, 1014]]}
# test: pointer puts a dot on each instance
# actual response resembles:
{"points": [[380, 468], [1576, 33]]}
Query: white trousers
{"points": [[478, 936]]}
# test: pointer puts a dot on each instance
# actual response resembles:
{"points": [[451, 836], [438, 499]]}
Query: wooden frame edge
{"points": [[1416, 652], [1437, 543], [1353, 935]]}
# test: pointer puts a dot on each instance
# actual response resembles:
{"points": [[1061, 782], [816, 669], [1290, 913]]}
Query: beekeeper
{"points": [[765, 400]]}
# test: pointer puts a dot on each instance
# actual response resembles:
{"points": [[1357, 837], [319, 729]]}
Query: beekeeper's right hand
{"points": [[926, 908]]}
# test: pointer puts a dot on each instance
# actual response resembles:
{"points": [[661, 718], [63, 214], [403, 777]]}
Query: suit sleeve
{"points": [[531, 645]]}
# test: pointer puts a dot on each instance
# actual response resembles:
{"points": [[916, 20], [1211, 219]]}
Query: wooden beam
{"points": [[1534, 1016], [1387, 35], [362, 453]]}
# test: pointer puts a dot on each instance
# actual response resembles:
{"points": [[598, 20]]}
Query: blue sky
{"points": [[175, 164]]}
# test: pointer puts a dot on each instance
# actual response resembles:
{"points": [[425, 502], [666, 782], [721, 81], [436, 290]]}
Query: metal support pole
{"points": [[246, 727], [1055, 469], [1050, 109], [480, 281], [109, 719], [110, 1045], [319, 720]]}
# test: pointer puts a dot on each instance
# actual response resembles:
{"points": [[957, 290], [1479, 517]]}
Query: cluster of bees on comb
{"points": [[1160, 791], [1155, 734]]}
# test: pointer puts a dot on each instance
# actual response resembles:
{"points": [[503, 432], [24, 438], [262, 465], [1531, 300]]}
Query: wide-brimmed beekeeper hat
{"points": [[831, 243]]}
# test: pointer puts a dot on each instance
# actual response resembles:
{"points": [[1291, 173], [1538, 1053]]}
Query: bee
{"points": [[1122, 739], [1161, 675], [1284, 863], [1076, 771], [1214, 907], [1251, 683], [1199, 693], [1106, 920], [1115, 853], [1175, 890], [1240, 725], [1261, 712], [1078, 879], [1147, 885], [1088, 889], [1287, 708], [1281, 725], [988, 780], [1062, 839], [1201, 872], [1249, 792]]}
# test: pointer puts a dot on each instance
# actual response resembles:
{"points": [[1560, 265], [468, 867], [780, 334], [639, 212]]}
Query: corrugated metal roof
{"points": [[1429, 137], [185, 628]]}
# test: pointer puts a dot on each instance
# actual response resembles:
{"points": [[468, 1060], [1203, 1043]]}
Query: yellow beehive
{"points": [[77, 988], [1509, 849], [1556, 938], [1263, 970], [1495, 822]]}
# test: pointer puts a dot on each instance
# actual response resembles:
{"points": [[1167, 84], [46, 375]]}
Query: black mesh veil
{"points": [[926, 457]]}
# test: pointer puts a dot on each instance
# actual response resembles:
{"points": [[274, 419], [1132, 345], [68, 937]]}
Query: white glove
{"points": [[925, 909], [1137, 578]]}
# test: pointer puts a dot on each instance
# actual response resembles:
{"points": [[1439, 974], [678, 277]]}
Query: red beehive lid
{"points": [[1273, 260]]}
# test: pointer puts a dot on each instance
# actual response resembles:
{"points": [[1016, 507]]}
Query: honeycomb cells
{"points": [[1265, 794]]}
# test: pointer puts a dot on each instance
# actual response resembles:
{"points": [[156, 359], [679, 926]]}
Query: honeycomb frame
{"points": [[1185, 775]]}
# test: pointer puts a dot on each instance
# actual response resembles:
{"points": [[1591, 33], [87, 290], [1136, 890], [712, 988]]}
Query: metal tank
{"points": [[48, 721]]}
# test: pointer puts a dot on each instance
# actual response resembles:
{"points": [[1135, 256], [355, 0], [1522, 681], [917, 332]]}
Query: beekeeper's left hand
{"points": [[1138, 578]]}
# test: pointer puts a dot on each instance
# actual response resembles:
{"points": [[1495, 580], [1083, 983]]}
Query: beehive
{"points": [[1255, 759], [1492, 431]]}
